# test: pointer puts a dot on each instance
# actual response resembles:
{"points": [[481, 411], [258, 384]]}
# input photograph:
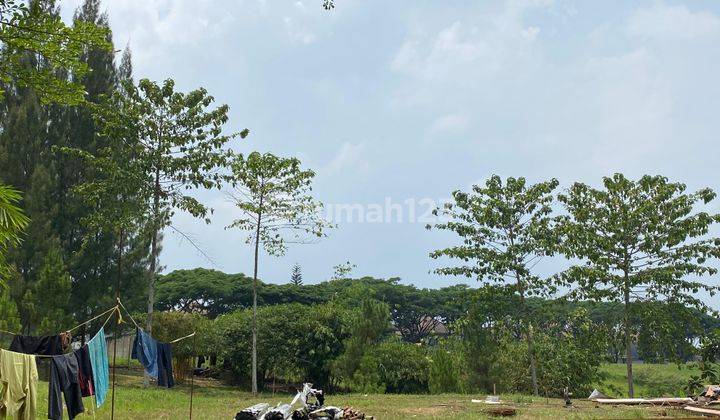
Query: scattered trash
{"points": [[307, 409], [253, 412], [597, 395]]}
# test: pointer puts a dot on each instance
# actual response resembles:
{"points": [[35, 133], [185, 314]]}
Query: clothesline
{"points": [[46, 356], [75, 327], [141, 328], [110, 312]]}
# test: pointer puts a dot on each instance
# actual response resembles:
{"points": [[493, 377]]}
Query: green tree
{"points": [[343, 270], [179, 143], [9, 315], [505, 229], [296, 275], [273, 195], [53, 285], [641, 239], [36, 30], [32, 133], [12, 223], [200, 290]]}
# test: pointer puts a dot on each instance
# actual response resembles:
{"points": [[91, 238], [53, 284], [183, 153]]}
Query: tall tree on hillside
{"points": [[505, 229], [296, 275], [639, 239], [179, 143], [273, 195]]}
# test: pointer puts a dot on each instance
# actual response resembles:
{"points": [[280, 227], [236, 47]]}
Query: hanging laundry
{"points": [[18, 386], [97, 348], [85, 373], [64, 379], [145, 349], [47, 345], [164, 361]]}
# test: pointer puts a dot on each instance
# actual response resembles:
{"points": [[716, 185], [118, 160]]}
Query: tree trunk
{"points": [[628, 338], [254, 311], [153, 262], [529, 337]]}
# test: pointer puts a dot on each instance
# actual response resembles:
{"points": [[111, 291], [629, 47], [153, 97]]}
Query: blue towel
{"points": [[100, 366], [145, 350]]}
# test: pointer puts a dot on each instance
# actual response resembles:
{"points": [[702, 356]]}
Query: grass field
{"points": [[213, 400]]}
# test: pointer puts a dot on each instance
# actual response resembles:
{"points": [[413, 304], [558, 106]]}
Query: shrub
{"points": [[568, 355], [449, 371], [392, 366], [295, 342]]}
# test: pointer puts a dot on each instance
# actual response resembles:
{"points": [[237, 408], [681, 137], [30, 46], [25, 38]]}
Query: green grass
{"points": [[650, 380], [212, 400]]}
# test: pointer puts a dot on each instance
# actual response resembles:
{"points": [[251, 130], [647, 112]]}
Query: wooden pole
{"points": [[192, 374], [117, 321]]}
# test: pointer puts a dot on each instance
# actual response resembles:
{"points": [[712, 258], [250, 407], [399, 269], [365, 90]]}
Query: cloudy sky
{"points": [[406, 101]]}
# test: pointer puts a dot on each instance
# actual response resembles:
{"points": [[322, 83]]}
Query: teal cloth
{"points": [[100, 366]]}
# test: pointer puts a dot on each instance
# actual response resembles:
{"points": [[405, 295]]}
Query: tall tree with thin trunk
{"points": [[180, 145], [643, 240], [505, 229], [273, 195]]}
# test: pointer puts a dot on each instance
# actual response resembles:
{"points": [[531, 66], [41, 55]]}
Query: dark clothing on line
{"points": [[47, 345], [85, 373], [64, 379], [164, 361], [144, 349]]}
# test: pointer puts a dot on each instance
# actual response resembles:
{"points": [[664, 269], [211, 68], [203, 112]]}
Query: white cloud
{"points": [[297, 32], [350, 158], [449, 123], [678, 22]]}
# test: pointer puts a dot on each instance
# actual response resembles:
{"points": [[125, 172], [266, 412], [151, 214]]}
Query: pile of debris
{"points": [[706, 400], [301, 408]]}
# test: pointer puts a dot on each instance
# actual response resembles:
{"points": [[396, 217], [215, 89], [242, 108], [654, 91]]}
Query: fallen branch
{"points": [[639, 401], [715, 413]]}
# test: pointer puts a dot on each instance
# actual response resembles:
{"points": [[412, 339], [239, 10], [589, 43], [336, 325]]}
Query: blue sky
{"points": [[414, 99]]}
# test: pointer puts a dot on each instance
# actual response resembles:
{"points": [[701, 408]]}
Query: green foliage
{"points": [[661, 383], [273, 195], [569, 355], [9, 315], [343, 270], [297, 342], [12, 222], [394, 367], [296, 276], [53, 285], [645, 235], [504, 229], [450, 370], [203, 291], [365, 325], [36, 33]]}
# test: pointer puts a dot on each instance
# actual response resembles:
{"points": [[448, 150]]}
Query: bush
{"points": [[295, 342], [449, 370], [392, 366], [567, 356], [169, 326]]}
